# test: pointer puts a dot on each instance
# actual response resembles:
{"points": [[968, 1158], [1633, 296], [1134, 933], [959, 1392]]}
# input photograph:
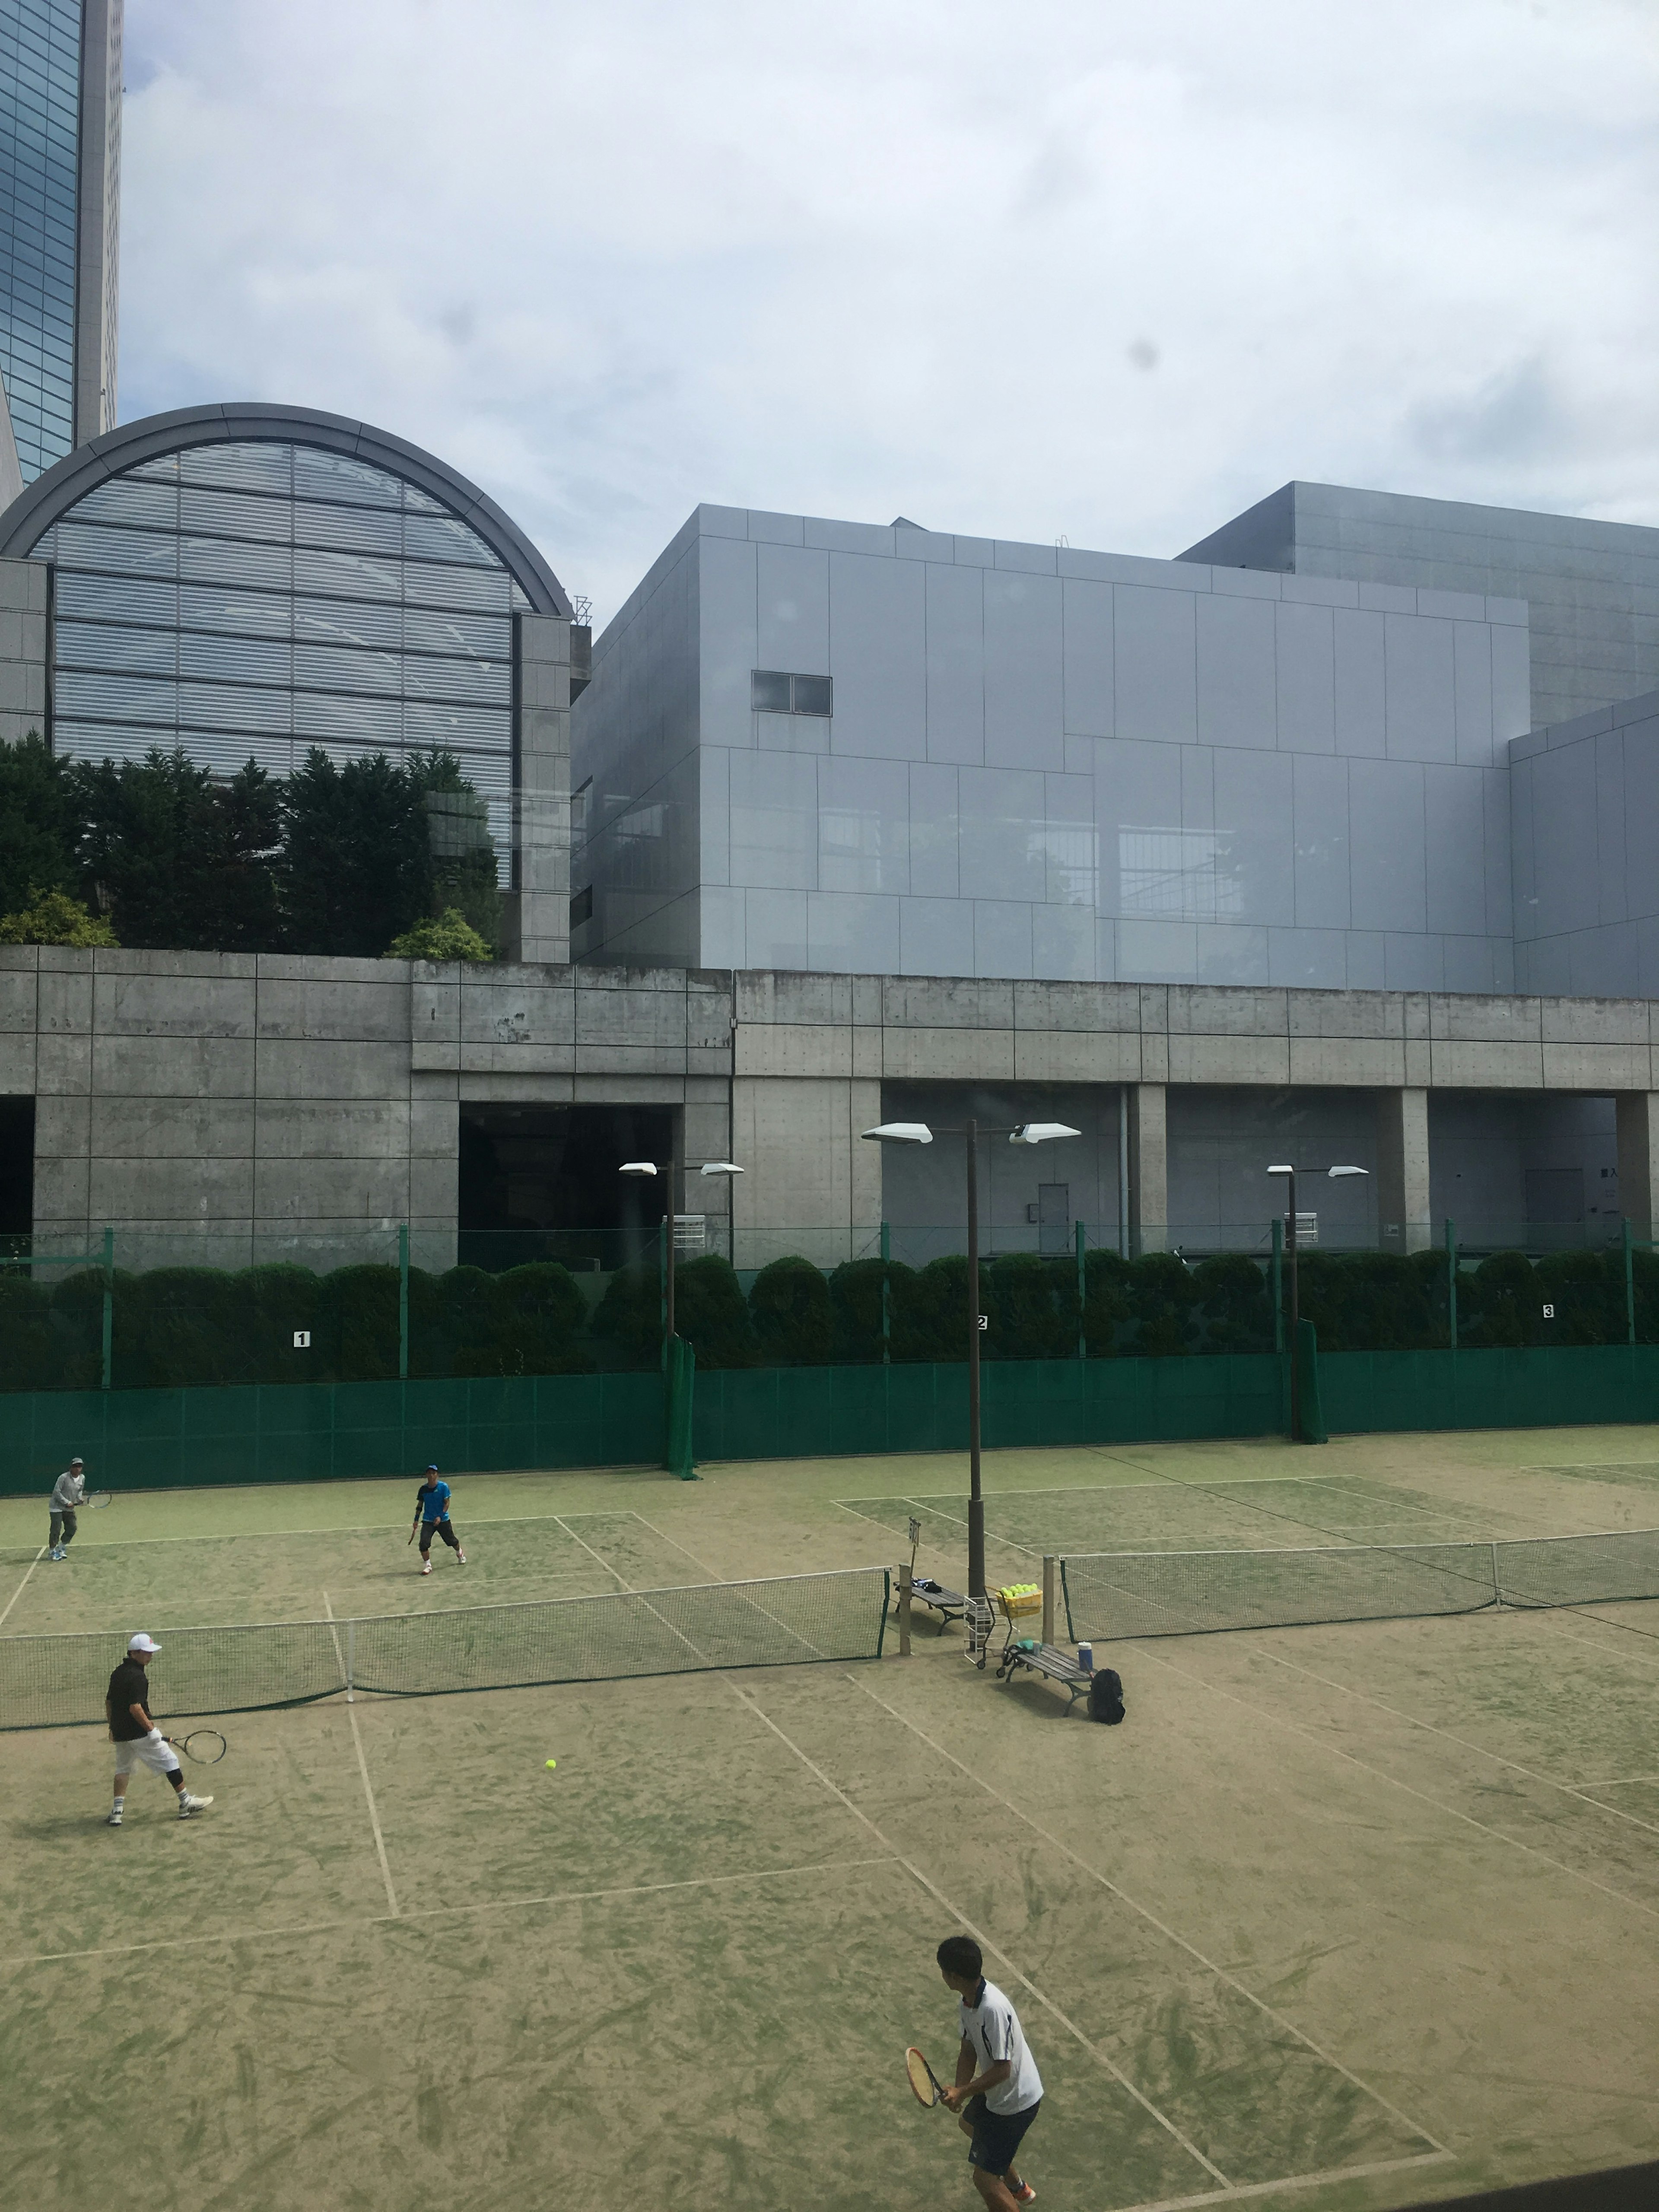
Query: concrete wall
{"points": [[215, 1105], [1591, 586], [538, 907], [1046, 763], [1584, 799]]}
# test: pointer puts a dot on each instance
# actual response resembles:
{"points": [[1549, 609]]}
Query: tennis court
{"points": [[1344, 1916]]}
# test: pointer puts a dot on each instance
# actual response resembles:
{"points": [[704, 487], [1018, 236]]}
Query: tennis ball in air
{"points": [[552, 1762]]}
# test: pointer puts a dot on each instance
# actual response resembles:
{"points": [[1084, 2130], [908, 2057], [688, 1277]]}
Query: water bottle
{"points": [[1085, 1657]]}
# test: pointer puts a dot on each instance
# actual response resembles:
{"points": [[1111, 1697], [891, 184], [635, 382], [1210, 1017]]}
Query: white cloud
{"points": [[1101, 270]]}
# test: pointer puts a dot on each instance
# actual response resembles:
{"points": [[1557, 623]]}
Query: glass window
{"points": [[811, 695], [90, 645], [387, 653], [769, 691]]}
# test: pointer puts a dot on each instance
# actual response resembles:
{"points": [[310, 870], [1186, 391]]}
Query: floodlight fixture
{"points": [[638, 1167], [901, 1132], [719, 1167], [1041, 1133]]}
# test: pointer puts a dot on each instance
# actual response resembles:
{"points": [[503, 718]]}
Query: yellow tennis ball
{"points": [[552, 1762]]}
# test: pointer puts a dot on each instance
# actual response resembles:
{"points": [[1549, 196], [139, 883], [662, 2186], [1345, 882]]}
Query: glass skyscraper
{"points": [[60, 133]]}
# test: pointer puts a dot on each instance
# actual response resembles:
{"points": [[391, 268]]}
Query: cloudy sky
{"points": [[1088, 268]]}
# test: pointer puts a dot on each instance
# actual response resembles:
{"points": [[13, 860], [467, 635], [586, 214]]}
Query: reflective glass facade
{"points": [[39, 149], [254, 599]]}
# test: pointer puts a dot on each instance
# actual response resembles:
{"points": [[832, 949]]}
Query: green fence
{"points": [[154, 1439]]}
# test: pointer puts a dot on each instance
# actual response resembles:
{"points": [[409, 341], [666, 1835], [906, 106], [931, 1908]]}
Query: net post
{"points": [[351, 1661], [904, 1609], [1065, 1600], [1049, 1597], [1497, 1585]]}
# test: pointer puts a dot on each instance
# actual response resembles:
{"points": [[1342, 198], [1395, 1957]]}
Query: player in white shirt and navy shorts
{"points": [[998, 2090]]}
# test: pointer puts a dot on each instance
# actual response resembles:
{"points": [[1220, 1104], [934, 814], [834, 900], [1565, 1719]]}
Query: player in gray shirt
{"points": [[67, 1493]]}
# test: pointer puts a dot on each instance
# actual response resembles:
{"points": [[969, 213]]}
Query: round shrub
{"points": [[791, 1315]]}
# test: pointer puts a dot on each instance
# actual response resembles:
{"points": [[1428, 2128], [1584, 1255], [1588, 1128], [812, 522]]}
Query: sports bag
{"points": [[1106, 1696]]}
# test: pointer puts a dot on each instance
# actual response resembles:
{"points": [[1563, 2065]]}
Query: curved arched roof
{"points": [[50, 496]]}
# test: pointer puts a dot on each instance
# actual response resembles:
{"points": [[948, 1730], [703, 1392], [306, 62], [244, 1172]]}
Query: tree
{"points": [[462, 851], [241, 907], [182, 862], [355, 869], [447, 936], [53, 918], [39, 823]]}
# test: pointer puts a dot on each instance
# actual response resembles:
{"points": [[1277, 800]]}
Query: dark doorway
{"points": [[16, 1174], [543, 1182]]}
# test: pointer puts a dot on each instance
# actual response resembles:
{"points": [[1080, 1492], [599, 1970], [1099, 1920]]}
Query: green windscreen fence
{"points": [[137, 1439], [57, 1681]]}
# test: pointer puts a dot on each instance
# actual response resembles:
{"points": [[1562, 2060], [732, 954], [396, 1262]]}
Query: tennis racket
{"points": [[95, 1500], [924, 2085], [205, 1745]]}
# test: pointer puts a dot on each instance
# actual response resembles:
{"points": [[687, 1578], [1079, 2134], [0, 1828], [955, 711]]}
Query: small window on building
{"points": [[774, 691], [579, 809], [581, 907]]}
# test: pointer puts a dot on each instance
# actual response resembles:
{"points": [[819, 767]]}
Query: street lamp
{"points": [[1332, 1175], [918, 1133], [672, 1169]]}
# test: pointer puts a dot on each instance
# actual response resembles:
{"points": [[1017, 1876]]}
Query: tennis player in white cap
{"points": [[137, 1741]]}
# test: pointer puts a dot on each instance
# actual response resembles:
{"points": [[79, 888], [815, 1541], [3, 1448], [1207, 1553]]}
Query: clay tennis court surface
{"points": [[1342, 1917]]}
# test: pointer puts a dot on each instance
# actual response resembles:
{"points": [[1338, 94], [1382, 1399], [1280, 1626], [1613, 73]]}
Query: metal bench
{"points": [[1052, 1663], [949, 1605]]}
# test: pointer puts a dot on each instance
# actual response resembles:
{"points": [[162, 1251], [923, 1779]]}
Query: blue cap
{"points": [[433, 1468]]}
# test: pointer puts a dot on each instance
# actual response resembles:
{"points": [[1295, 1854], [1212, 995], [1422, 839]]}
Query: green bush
{"points": [[1587, 1289], [712, 1314], [26, 1346], [1233, 1303], [855, 1297], [546, 1315], [1164, 1295], [629, 1315], [276, 1301], [930, 1311], [1031, 1304], [1499, 1303], [356, 1335], [1108, 1303], [188, 1327], [792, 1314]]}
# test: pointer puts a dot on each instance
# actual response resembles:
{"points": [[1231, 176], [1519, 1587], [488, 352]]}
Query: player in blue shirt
{"points": [[431, 1517]]}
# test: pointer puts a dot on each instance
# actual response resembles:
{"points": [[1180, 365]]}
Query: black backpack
{"points": [[1106, 1696]]}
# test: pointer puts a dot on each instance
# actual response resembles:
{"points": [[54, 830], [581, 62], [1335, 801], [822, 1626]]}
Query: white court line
{"points": [[1173, 1935], [438, 1912], [355, 1528], [764, 1612], [587, 1548], [1297, 2181], [984, 1940], [1393, 1782], [369, 1790], [24, 1585], [1618, 1782], [1532, 1773]]}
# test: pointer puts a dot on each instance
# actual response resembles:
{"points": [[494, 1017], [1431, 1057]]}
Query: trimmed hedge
{"points": [[177, 1327]]}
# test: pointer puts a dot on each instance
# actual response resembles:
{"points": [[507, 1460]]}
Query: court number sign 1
{"points": [[302, 1340]]}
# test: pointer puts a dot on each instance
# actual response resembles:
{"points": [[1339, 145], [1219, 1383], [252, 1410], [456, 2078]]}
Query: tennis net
{"points": [[57, 1681], [1128, 1594]]}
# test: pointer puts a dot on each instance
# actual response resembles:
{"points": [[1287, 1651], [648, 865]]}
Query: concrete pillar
{"points": [[1149, 1169], [538, 920], [810, 1185], [1403, 1211], [1638, 1159]]}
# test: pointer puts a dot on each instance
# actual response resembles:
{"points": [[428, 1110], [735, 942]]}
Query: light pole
{"points": [[673, 1170], [918, 1133], [1332, 1175]]}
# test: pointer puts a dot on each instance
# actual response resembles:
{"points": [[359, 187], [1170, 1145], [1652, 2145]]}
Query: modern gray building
{"points": [[1591, 589], [249, 581], [824, 745], [60, 168]]}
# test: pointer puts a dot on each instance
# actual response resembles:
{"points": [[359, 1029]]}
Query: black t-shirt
{"points": [[128, 1685]]}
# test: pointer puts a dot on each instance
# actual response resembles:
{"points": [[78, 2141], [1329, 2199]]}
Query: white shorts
{"points": [[151, 1751]]}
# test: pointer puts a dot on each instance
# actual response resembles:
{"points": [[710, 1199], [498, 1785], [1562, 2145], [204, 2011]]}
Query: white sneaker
{"points": [[426, 1566], [188, 1805], [112, 1820], [460, 1559], [58, 1552]]}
